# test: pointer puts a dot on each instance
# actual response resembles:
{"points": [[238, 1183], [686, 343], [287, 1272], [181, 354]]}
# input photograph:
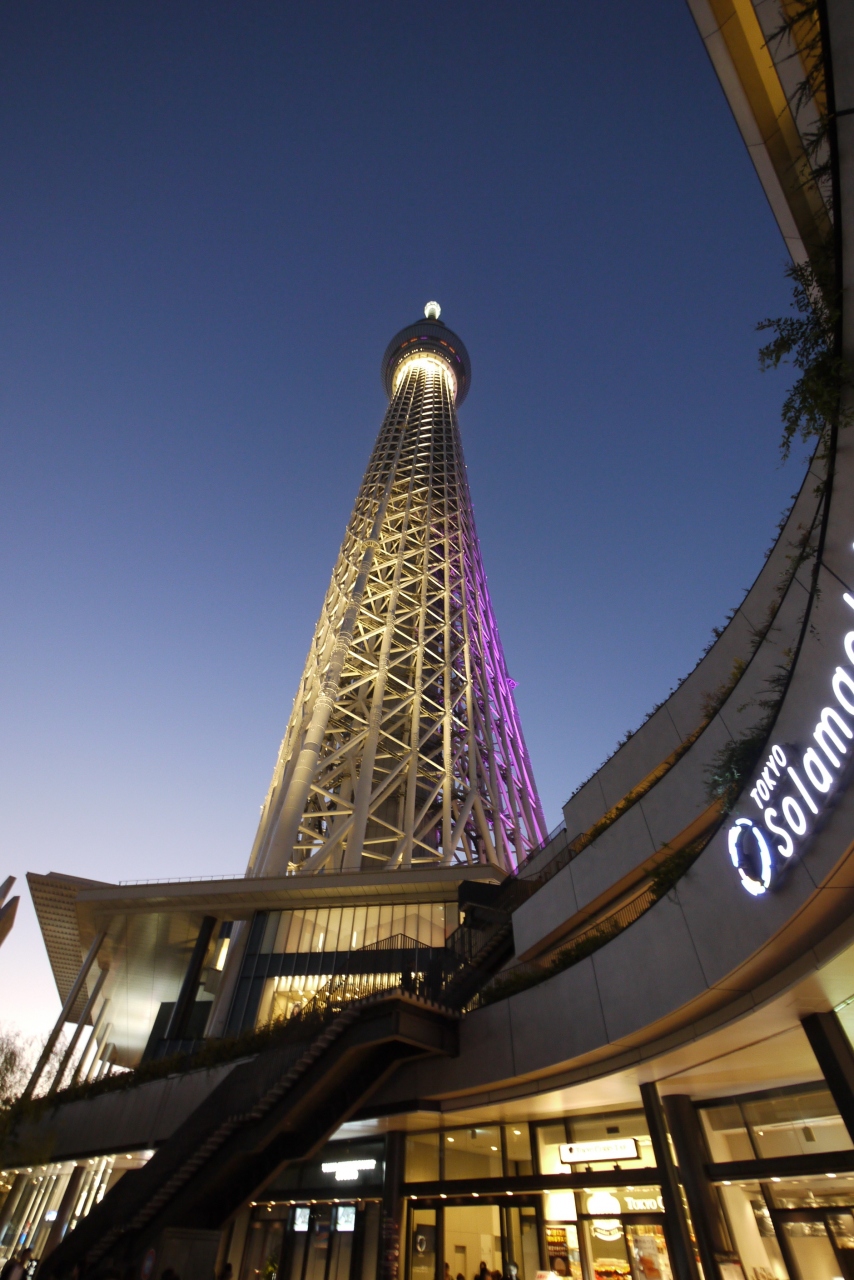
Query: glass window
{"points": [[752, 1230], [358, 936], [472, 1241], [726, 1133], [799, 1123], [422, 1157], [423, 1244], [523, 1244], [618, 1140], [333, 928], [562, 1245], [812, 1250], [385, 929], [345, 931], [398, 920], [473, 1153], [437, 925], [517, 1140], [294, 932], [549, 1139], [605, 1242], [280, 944], [648, 1251], [372, 924], [270, 932], [813, 1193], [321, 928], [307, 930]]}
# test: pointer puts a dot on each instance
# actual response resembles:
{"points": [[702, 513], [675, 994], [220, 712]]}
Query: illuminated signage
{"points": [[347, 1170], [345, 1217], [302, 1214], [615, 1149], [807, 783], [644, 1204]]}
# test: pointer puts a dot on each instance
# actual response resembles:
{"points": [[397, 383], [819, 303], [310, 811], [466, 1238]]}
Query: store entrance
{"points": [[481, 1239], [320, 1241]]}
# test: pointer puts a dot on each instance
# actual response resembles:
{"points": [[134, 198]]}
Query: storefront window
{"points": [[473, 1153], [752, 1231], [422, 1157], [564, 1254], [813, 1193], [812, 1251]]}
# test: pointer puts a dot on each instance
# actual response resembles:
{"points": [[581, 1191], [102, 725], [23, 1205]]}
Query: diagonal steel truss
{"points": [[404, 745]]}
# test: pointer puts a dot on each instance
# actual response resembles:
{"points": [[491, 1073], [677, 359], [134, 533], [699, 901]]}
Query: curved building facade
{"points": [[421, 1039]]}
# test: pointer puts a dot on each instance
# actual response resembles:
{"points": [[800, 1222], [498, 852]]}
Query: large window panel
{"points": [[422, 1157], [473, 1152], [800, 1123]]}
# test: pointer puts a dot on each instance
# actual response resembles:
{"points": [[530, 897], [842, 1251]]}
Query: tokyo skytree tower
{"points": [[404, 745]]}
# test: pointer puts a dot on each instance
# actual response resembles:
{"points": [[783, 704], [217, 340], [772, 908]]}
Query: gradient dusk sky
{"points": [[214, 217]]}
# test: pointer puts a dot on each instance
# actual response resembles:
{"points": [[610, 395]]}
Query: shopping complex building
{"points": [[423, 1037]]}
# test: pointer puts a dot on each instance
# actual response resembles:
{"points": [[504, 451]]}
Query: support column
{"points": [[81, 1022], [180, 1020], [10, 1204], [76, 988], [707, 1215], [676, 1231], [65, 1210], [91, 1044], [392, 1241], [833, 1052], [96, 1064]]}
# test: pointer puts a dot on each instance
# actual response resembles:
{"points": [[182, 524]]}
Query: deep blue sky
{"points": [[213, 217]]}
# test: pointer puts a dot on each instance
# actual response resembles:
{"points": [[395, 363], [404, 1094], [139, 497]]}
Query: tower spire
{"points": [[404, 745]]}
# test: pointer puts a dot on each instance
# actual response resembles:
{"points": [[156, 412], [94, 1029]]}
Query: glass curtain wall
{"points": [[292, 954]]}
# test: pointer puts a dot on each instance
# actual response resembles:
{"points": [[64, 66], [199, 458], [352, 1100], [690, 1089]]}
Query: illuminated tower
{"points": [[404, 745]]}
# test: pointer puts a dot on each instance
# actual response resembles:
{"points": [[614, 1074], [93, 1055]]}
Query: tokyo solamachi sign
{"points": [[795, 786]]}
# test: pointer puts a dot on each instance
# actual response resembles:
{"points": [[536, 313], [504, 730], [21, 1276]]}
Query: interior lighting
{"points": [[493, 1148], [476, 1194], [450, 1139], [831, 1175], [432, 311], [517, 1132]]}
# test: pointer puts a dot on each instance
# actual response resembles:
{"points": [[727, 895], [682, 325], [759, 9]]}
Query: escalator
{"points": [[280, 1106]]}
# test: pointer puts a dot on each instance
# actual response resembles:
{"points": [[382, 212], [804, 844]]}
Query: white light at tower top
{"points": [[432, 311]]}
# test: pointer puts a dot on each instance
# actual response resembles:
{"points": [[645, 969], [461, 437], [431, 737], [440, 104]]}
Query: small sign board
{"points": [[591, 1152]]}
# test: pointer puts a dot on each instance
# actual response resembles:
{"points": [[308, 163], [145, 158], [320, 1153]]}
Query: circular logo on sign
{"points": [[750, 855]]}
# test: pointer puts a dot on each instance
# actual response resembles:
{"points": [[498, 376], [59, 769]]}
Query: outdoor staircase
{"points": [[270, 1110]]}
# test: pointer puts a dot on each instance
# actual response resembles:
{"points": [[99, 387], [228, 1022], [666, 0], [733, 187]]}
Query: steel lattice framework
{"points": [[404, 745]]}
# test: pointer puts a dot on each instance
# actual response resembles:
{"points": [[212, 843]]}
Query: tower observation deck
{"points": [[404, 745]]}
